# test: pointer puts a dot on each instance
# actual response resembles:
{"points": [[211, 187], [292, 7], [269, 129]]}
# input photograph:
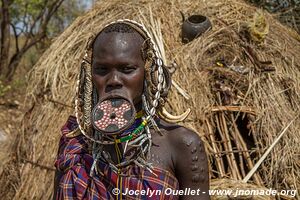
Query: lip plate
{"points": [[129, 123]]}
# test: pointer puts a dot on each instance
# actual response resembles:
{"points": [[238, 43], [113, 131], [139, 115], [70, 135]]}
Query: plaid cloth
{"points": [[74, 162]]}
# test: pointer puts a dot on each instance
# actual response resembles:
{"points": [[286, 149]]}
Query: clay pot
{"points": [[194, 26]]}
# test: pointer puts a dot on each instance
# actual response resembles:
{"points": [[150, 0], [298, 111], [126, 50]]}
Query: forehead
{"points": [[116, 45], [104, 39]]}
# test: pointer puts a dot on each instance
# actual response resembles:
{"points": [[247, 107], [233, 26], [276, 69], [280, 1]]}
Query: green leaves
{"points": [[35, 21]]}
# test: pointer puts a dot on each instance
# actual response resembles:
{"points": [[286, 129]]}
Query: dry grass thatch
{"points": [[238, 115]]}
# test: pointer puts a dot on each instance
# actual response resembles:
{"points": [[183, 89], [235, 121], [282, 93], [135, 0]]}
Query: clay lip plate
{"points": [[112, 116]]}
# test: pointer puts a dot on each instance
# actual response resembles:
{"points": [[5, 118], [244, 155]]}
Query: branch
{"points": [[52, 9], [43, 27], [5, 34], [35, 38], [39, 17], [16, 36], [38, 165], [24, 18]]}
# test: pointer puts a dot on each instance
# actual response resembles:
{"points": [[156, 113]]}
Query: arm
{"points": [[191, 165]]}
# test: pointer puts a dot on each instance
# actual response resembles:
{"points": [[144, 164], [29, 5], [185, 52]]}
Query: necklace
{"points": [[137, 141]]}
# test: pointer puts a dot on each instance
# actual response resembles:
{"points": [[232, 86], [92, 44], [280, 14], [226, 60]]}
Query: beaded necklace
{"points": [[137, 138]]}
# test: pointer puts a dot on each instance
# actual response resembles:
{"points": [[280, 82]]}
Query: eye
{"points": [[100, 69], [127, 69]]}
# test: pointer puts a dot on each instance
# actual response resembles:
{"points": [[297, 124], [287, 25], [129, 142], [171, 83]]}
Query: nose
{"points": [[114, 82]]}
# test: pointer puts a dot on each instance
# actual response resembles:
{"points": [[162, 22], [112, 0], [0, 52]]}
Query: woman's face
{"points": [[118, 67]]}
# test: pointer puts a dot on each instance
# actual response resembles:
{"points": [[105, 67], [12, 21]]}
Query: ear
{"points": [[146, 51], [167, 82]]}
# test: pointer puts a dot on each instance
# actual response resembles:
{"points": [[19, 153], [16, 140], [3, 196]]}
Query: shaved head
{"points": [[118, 64]]}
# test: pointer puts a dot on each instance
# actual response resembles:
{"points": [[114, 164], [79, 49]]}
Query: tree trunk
{"points": [[18, 55], [5, 36], [12, 66], [8, 65]]}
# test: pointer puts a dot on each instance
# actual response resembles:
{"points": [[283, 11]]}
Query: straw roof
{"points": [[244, 90]]}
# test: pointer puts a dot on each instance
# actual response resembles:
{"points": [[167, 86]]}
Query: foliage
{"points": [[287, 11], [276, 5], [4, 88], [36, 22], [67, 13]]}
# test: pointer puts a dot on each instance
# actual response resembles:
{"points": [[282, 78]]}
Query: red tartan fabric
{"points": [[74, 163]]}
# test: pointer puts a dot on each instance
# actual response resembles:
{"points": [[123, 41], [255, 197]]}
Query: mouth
{"points": [[114, 95]]}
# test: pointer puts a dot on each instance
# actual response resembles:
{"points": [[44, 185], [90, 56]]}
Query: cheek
{"points": [[137, 83], [98, 83], [140, 85]]}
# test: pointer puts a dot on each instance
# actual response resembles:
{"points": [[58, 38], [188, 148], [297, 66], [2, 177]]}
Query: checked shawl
{"points": [[74, 163]]}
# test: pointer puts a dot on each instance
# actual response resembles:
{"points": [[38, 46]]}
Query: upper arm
{"points": [[191, 165]]}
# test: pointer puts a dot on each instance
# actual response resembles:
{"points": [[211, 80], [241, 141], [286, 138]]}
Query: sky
{"points": [[89, 3]]}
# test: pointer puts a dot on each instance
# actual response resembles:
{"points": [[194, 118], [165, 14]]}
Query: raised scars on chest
{"points": [[160, 155]]}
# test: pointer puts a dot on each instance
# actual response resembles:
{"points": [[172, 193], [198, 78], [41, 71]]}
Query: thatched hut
{"points": [[244, 87]]}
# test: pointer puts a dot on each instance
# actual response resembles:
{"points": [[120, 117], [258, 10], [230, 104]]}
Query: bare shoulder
{"points": [[180, 136], [185, 144], [189, 157]]}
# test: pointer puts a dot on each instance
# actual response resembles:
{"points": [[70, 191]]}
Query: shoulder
{"points": [[70, 128], [189, 156], [180, 136], [71, 140], [185, 144]]}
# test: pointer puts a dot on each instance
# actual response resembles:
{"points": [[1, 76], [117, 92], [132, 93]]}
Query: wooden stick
{"points": [[238, 145], [226, 133], [253, 170], [252, 128], [246, 154], [218, 157], [233, 108], [234, 151], [242, 168], [181, 91], [60, 103], [38, 165], [221, 131]]}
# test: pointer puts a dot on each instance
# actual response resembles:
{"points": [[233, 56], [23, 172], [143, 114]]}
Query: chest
{"points": [[160, 152]]}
